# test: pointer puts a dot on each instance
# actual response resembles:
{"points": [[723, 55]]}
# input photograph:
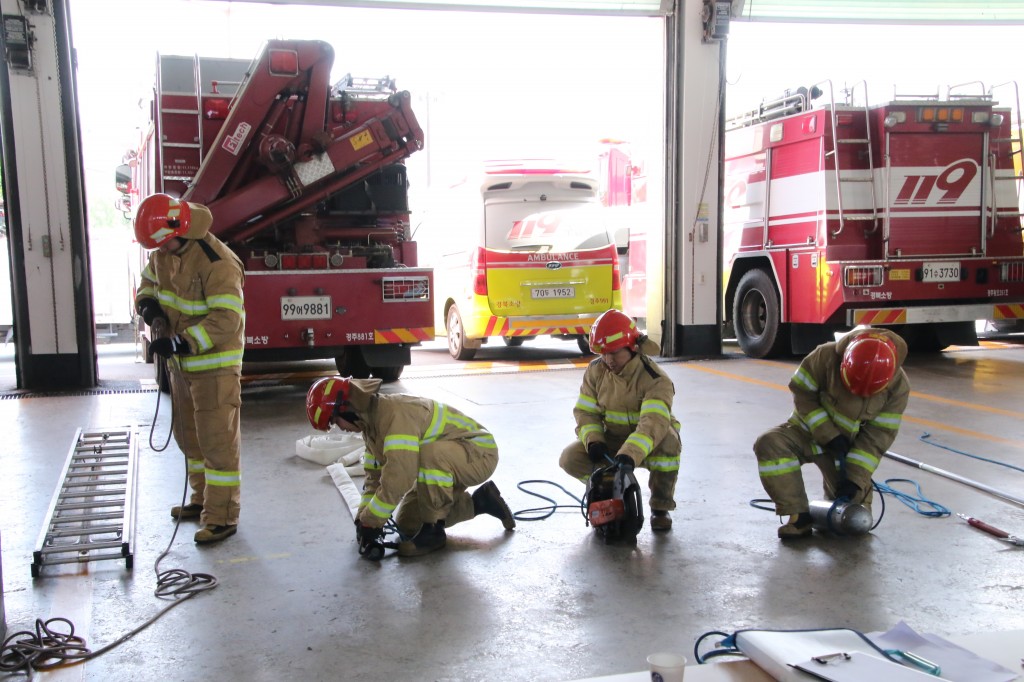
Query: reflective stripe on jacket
{"points": [[200, 291], [395, 427], [633, 407], [825, 408]]}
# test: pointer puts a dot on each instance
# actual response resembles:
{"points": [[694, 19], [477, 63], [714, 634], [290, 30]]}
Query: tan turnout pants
{"points": [[469, 465], [207, 430]]}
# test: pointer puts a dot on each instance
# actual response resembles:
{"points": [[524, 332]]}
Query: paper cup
{"points": [[667, 667]]}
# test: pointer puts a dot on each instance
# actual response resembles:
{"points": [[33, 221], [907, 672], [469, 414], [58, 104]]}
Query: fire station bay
{"points": [[612, 341]]}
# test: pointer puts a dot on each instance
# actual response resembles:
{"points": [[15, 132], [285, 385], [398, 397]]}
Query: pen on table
{"points": [[915, 660]]}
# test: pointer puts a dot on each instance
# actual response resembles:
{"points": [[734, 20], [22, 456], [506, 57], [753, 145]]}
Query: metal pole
{"points": [[956, 477]]}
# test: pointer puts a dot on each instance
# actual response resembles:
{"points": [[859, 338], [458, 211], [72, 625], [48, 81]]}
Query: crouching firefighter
{"points": [[421, 456], [624, 416], [848, 400]]}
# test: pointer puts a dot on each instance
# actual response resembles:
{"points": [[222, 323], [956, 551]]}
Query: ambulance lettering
{"points": [[541, 257], [951, 182]]}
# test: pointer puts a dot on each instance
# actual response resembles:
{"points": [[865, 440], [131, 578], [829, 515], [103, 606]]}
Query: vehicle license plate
{"points": [[940, 272], [553, 292], [305, 307]]}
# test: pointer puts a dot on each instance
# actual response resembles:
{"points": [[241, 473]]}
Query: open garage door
{"points": [[647, 8]]}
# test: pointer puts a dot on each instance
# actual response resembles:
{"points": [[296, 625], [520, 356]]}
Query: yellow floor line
{"points": [[907, 418]]}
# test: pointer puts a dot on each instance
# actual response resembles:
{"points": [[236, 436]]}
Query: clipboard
{"points": [[859, 667]]}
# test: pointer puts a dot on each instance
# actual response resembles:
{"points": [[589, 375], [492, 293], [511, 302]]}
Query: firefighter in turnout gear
{"points": [[848, 397], [421, 456], [191, 297], [624, 413]]}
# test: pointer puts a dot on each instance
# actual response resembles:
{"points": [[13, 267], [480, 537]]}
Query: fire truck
{"points": [[307, 184], [904, 215]]}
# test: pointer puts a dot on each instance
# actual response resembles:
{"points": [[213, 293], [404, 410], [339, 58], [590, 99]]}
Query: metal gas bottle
{"points": [[841, 517]]}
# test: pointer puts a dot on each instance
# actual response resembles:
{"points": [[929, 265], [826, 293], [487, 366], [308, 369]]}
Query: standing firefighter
{"points": [[848, 397], [191, 297], [420, 453], [624, 412]]}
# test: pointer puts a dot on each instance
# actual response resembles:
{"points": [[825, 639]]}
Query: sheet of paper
{"points": [[859, 667]]}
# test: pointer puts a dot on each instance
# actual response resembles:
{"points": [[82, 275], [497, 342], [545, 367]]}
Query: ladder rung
{"points": [[93, 507], [190, 112], [183, 145], [849, 179], [859, 217], [853, 140], [1008, 214], [79, 518], [179, 178]]}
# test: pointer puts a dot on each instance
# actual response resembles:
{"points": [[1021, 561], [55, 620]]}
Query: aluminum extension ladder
{"points": [[92, 513]]}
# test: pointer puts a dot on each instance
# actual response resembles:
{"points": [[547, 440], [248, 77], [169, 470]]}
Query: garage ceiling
{"points": [[827, 11], [647, 8], [882, 11]]}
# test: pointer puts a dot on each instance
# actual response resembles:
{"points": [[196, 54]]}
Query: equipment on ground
{"points": [[993, 531], [840, 517], [306, 182], [613, 503], [902, 214], [956, 477], [92, 513]]}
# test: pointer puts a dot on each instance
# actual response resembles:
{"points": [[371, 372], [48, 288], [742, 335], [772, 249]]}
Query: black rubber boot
{"points": [[488, 500], [430, 537], [799, 526]]}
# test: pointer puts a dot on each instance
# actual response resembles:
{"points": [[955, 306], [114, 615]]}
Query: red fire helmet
{"points": [[324, 399], [869, 364], [613, 330], [161, 218]]}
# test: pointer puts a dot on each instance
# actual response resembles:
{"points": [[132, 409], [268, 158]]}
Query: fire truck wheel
{"points": [[350, 363], [457, 337], [583, 342], [756, 315], [387, 374], [513, 341]]}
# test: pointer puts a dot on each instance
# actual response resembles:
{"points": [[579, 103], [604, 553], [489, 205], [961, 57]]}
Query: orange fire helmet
{"points": [[161, 218], [613, 330], [869, 364], [326, 398]]}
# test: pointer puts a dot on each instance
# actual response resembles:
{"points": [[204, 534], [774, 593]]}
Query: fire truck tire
{"points": [[387, 374], [457, 337], [756, 315], [350, 363], [583, 342], [513, 341]]}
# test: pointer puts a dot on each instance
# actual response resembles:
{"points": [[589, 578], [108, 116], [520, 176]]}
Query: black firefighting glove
{"points": [[838, 446], [598, 452], [847, 489], [151, 310], [625, 462], [168, 346], [368, 537]]}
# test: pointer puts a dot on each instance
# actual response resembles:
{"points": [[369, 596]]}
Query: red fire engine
{"points": [[903, 214], [306, 182]]}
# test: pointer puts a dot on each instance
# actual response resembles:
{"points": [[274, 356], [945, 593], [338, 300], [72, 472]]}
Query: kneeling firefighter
{"points": [[624, 413], [848, 399], [421, 456]]}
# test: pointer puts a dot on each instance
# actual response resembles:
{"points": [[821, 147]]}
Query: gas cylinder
{"points": [[841, 517]]}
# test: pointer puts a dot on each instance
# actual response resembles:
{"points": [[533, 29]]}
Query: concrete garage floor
{"points": [[547, 601]]}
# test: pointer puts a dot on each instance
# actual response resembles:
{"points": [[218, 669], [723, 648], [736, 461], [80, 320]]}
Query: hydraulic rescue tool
{"points": [[993, 531], [841, 517], [373, 542], [613, 504]]}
